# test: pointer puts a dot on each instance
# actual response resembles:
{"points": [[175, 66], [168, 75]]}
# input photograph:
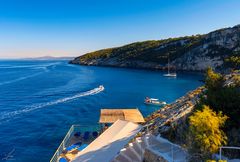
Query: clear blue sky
{"points": [[30, 28]]}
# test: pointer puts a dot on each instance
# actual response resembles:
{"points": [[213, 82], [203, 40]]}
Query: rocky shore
{"points": [[154, 148], [173, 114]]}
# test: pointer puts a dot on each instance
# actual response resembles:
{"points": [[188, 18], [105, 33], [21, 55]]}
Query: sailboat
{"points": [[169, 74]]}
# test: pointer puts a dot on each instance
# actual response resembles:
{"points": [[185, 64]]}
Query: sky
{"points": [[33, 28]]}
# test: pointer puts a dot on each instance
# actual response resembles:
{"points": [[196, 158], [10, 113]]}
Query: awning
{"points": [[109, 143], [112, 115]]}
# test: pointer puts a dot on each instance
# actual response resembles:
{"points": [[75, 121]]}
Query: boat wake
{"points": [[9, 115], [43, 66], [37, 66], [19, 79]]}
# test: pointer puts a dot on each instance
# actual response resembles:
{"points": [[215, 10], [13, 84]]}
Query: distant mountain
{"points": [[193, 53], [50, 58]]}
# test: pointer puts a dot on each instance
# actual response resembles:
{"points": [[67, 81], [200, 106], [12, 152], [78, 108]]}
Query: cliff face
{"points": [[186, 53]]}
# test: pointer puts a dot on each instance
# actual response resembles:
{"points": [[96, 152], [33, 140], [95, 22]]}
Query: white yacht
{"points": [[154, 101], [170, 75]]}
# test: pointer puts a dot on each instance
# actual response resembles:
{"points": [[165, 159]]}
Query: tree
{"points": [[233, 62], [205, 129], [213, 80], [223, 98]]}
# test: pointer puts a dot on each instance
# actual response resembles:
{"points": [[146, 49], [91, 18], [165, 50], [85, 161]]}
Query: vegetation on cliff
{"points": [[223, 94], [218, 49], [233, 62], [146, 51], [223, 97], [215, 120]]}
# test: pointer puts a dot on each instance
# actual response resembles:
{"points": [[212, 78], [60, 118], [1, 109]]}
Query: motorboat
{"points": [[154, 101], [170, 75], [101, 87]]}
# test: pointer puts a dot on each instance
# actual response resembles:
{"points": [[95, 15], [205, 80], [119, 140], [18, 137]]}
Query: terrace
{"points": [[79, 137], [76, 139]]}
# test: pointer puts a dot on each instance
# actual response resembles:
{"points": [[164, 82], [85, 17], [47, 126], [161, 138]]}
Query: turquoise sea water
{"points": [[40, 100]]}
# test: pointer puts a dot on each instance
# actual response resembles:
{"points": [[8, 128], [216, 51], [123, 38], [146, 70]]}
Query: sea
{"points": [[41, 99]]}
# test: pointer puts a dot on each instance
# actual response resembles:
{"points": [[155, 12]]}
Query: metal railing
{"points": [[138, 148], [226, 147], [66, 141]]}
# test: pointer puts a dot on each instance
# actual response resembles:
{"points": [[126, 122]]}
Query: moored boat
{"points": [[154, 101], [170, 74]]}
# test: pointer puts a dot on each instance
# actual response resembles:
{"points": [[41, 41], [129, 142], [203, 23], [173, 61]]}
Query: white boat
{"points": [[154, 101], [169, 74], [101, 88]]}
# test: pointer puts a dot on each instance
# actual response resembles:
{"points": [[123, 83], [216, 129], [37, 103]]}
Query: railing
{"points": [[66, 140], [174, 149], [226, 147]]}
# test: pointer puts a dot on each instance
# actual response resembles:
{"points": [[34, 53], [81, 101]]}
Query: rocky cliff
{"points": [[193, 53]]}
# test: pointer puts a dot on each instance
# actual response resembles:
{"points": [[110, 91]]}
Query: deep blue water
{"points": [[40, 100]]}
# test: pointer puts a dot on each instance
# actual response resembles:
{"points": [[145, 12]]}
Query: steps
{"points": [[134, 151]]}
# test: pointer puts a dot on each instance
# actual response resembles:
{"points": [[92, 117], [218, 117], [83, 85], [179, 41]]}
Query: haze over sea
{"points": [[40, 100]]}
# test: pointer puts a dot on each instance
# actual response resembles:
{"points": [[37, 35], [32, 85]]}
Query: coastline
{"points": [[172, 113], [152, 137], [162, 69], [156, 123], [191, 53]]}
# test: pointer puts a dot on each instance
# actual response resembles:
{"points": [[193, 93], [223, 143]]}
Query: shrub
{"points": [[205, 129]]}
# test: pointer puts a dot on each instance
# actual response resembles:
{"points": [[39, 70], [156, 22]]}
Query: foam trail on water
{"points": [[8, 115], [43, 66], [29, 66], [19, 79]]}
